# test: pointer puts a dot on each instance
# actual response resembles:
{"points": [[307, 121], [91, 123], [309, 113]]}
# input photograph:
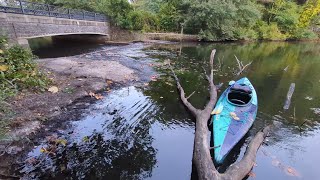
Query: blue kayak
{"points": [[233, 116]]}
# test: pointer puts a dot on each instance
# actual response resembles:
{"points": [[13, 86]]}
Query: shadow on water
{"points": [[137, 133], [48, 47]]}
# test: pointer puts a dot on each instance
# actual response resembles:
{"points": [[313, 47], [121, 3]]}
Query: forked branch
{"points": [[241, 66]]}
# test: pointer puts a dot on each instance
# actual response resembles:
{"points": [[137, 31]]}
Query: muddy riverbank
{"points": [[77, 82]]}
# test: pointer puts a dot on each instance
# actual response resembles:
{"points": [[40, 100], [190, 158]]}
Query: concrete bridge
{"points": [[21, 23]]}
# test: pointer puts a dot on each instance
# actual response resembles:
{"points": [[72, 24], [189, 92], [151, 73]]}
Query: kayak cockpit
{"points": [[239, 95]]}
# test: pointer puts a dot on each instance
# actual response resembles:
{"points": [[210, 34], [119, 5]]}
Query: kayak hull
{"points": [[233, 122]]}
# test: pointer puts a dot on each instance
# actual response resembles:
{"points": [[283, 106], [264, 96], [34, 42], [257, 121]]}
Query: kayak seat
{"points": [[240, 96]]}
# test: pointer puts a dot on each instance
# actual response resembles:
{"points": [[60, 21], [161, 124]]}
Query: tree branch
{"points": [[191, 94], [183, 98], [201, 153], [241, 66], [213, 88], [242, 168]]}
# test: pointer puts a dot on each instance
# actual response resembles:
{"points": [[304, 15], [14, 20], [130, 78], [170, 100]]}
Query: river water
{"points": [[146, 133]]}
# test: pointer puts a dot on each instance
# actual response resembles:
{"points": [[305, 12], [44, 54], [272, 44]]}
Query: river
{"points": [[146, 133]]}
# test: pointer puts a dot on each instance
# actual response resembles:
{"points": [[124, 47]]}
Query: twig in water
{"points": [[191, 94], [215, 147], [285, 69]]}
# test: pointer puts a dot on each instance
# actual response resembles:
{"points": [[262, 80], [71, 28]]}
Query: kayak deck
{"points": [[234, 117]]}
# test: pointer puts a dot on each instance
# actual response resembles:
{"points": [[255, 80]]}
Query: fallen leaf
{"points": [[43, 150], [252, 174], [169, 84], [217, 110], [234, 116], [91, 94], [109, 82], [98, 96], [61, 141], [53, 89], [4, 68], [292, 172], [108, 90]]}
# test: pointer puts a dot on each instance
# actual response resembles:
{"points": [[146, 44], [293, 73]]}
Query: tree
{"points": [[311, 10], [221, 20]]}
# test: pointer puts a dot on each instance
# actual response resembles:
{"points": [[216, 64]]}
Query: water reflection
{"points": [[267, 73], [118, 138], [137, 133], [275, 66]]}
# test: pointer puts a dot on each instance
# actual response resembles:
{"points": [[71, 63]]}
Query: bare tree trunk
{"points": [[201, 153]]}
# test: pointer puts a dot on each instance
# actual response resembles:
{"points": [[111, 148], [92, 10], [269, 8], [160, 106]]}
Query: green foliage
{"points": [[18, 71], [3, 41], [76, 4], [270, 32], [310, 11], [212, 20], [152, 6], [168, 17], [285, 14], [303, 33], [142, 20], [117, 10], [221, 20], [246, 34]]}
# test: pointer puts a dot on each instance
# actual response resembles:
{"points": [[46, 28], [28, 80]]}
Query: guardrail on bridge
{"points": [[38, 9]]}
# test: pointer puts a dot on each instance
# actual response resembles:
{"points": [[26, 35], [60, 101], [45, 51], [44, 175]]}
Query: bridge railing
{"points": [[38, 9]]}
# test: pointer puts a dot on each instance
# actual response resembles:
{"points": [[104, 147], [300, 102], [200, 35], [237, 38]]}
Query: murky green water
{"points": [[146, 133]]}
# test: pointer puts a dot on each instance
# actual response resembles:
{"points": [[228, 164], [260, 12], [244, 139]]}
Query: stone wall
{"points": [[121, 35], [20, 27]]}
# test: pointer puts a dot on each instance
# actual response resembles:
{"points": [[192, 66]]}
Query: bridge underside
{"points": [[19, 28]]}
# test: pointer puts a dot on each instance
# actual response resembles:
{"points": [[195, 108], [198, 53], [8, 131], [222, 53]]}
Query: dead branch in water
{"points": [[241, 66], [191, 95], [201, 153], [289, 96]]}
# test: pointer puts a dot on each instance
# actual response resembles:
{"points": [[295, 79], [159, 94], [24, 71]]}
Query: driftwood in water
{"points": [[201, 153], [241, 66], [289, 96]]}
